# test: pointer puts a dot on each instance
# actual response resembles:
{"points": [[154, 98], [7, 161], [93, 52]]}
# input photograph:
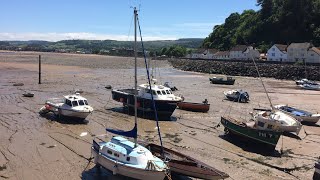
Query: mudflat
{"points": [[44, 147]]}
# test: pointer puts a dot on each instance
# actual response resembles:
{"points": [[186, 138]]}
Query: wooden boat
{"points": [[237, 95], [28, 94], [304, 116], [220, 80], [196, 107], [249, 130], [185, 165]]}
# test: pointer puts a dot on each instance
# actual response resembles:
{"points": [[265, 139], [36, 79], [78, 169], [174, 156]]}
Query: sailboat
{"points": [[124, 157], [265, 126]]}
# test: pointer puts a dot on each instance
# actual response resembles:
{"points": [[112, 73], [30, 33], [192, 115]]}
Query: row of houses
{"points": [[304, 52], [239, 52]]}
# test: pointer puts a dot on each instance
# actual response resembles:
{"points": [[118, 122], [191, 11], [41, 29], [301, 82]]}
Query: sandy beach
{"points": [[35, 147]]}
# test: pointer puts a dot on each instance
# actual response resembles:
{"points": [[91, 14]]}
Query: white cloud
{"points": [[75, 35]]}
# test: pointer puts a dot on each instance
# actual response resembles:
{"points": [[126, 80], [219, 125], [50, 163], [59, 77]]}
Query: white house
{"points": [[209, 53], [243, 52], [298, 51], [313, 55], [278, 52], [222, 55], [199, 54]]}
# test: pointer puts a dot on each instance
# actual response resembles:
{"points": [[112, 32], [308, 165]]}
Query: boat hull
{"points": [[185, 165], [316, 174], [269, 138], [196, 107], [74, 114], [302, 115], [118, 168], [219, 81], [164, 108]]}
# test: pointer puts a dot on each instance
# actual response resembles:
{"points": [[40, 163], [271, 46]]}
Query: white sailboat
{"points": [[124, 157]]}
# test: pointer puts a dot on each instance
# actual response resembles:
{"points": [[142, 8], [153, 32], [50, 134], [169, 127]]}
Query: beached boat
{"points": [[315, 87], [124, 157], [71, 106], [305, 81], [28, 94], [165, 100], [185, 165], [196, 107], [252, 130], [220, 80], [316, 174], [277, 118], [299, 114], [127, 158], [237, 95]]}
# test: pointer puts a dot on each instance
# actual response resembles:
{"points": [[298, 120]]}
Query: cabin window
{"points": [[261, 124], [128, 158], [81, 103], [154, 93], [159, 92], [269, 126], [68, 102], [109, 152], [86, 102], [167, 91], [163, 92], [116, 154], [170, 91], [74, 103]]}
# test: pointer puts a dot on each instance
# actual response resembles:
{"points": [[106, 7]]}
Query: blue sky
{"points": [[105, 19]]}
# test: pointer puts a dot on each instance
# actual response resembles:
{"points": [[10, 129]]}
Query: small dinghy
{"points": [[310, 86], [28, 94], [220, 80], [237, 95], [185, 165], [305, 116], [195, 107]]}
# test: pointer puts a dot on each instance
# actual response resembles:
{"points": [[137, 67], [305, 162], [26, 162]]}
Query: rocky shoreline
{"points": [[278, 71]]}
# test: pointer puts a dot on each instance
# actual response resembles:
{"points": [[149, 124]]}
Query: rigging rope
{"points": [[149, 81]]}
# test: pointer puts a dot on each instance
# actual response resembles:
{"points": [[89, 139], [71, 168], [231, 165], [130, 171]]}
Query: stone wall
{"points": [[278, 71]]}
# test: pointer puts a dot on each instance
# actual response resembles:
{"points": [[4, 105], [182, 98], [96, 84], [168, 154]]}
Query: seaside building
{"points": [[199, 54], [313, 55], [222, 55], [278, 52], [298, 52], [209, 53], [243, 52]]}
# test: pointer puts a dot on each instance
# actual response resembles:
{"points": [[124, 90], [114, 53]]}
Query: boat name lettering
{"points": [[265, 135]]}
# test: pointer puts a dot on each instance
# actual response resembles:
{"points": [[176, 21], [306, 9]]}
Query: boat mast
{"points": [[135, 72]]}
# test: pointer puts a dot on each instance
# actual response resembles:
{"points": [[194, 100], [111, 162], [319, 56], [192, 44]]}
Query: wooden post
{"points": [[39, 69]]}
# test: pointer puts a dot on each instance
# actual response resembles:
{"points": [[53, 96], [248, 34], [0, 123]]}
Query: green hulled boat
{"points": [[249, 131]]}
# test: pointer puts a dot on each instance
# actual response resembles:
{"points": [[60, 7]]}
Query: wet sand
{"points": [[36, 147]]}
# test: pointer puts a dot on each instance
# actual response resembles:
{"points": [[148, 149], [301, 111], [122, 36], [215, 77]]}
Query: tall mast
{"points": [[135, 71]]}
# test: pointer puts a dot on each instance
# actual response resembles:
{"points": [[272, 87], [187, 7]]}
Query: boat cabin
{"points": [[122, 150], [75, 100], [159, 92]]}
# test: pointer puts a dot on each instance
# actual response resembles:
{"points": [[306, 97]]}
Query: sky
{"points": [[54, 20]]}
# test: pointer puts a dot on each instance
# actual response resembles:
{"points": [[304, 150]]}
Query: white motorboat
{"points": [[299, 114], [310, 86], [127, 158], [72, 106], [305, 81], [237, 95], [277, 119]]}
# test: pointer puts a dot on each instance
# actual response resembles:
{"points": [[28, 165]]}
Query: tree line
{"points": [[277, 22]]}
